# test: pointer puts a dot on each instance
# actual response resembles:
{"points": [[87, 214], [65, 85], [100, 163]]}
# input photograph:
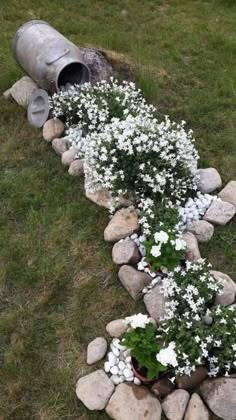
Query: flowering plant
{"points": [[163, 246], [142, 158], [141, 341], [90, 108]]}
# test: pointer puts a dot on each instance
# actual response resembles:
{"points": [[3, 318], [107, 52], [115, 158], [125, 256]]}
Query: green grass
{"points": [[58, 286]]}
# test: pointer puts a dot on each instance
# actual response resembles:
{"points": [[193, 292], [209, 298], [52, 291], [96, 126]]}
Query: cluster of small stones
{"points": [[128, 401]]}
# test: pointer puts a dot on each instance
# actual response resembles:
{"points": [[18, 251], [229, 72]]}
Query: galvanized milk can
{"points": [[48, 57]]}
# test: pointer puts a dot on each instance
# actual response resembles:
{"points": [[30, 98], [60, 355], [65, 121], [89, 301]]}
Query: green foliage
{"points": [[143, 346]]}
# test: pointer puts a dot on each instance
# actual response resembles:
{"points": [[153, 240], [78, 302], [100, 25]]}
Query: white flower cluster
{"points": [[137, 321], [144, 157], [167, 356]]}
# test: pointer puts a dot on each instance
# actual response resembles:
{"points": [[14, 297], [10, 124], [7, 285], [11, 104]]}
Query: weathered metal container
{"points": [[48, 57]]}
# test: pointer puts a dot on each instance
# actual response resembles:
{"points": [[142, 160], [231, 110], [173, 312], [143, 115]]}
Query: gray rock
{"points": [[116, 328], [196, 409], [123, 224], [96, 350], [52, 129], [229, 193], [60, 146], [69, 156], [99, 66], [95, 390], [76, 168], [131, 402], [125, 252], [209, 180], [228, 293], [22, 91], [220, 212], [202, 229], [7, 94], [133, 280], [174, 405], [189, 382], [192, 249], [155, 303], [220, 396]]}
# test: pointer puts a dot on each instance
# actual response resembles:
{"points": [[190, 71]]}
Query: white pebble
{"points": [[153, 275], [134, 236], [115, 379], [112, 359], [107, 367], [116, 351], [129, 366], [137, 381], [121, 365], [145, 290], [128, 373], [114, 370], [130, 379]]}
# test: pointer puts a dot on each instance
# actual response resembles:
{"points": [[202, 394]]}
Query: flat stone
{"points": [[196, 409], [60, 146], [52, 129], [209, 180], [228, 293], [103, 198], [220, 396], [131, 402], [162, 387], [202, 229], [116, 328], [125, 252], [155, 303], [220, 212], [69, 156], [192, 249], [123, 224], [22, 91], [229, 193], [174, 405], [133, 280], [76, 168], [95, 390], [189, 382], [96, 350]]}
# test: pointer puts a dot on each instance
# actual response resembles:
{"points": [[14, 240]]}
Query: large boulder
{"points": [[96, 350], [133, 280], [220, 396], [228, 293], [69, 156], [123, 224], [174, 405], [22, 91], [116, 328], [100, 68], [53, 129], [229, 193], [209, 180], [196, 409], [192, 249], [95, 390], [103, 198], [131, 402], [76, 168], [190, 382], [155, 303], [202, 229], [125, 252], [60, 146], [220, 212]]}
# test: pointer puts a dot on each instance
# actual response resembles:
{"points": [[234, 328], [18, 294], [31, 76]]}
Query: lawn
{"points": [[58, 286]]}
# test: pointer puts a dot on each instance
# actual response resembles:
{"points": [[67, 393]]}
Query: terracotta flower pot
{"points": [[139, 375]]}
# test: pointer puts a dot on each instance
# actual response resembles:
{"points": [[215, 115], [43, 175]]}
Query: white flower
{"points": [[180, 244], [137, 321], [168, 356], [161, 237], [155, 251]]}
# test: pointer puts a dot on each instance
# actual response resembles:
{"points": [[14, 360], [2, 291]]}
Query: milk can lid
{"points": [[38, 108]]}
